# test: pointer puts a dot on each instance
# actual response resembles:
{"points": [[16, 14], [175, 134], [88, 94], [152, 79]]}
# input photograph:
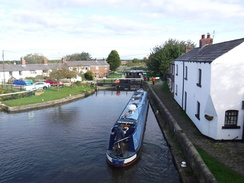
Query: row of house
{"points": [[100, 68], [208, 84]]}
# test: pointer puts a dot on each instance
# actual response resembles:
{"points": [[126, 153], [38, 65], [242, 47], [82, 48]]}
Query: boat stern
{"points": [[121, 161]]}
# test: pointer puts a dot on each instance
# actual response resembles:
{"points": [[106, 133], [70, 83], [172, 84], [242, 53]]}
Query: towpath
{"points": [[231, 153]]}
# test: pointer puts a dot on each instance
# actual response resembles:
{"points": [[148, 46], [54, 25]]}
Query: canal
{"points": [[67, 143]]}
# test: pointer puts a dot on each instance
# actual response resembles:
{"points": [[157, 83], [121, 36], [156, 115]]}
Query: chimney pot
{"points": [[205, 41]]}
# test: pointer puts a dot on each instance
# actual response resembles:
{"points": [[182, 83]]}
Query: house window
{"points": [[176, 89], [231, 118], [176, 70], [186, 72], [185, 100], [199, 78], [198, 110]]}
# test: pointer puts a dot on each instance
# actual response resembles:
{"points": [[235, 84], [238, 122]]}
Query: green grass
{"points": [[49, 94], [221, 172], [165, 88], [115, 76]]}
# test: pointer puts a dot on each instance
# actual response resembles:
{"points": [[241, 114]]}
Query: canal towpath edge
{"points": [[230, 153]]}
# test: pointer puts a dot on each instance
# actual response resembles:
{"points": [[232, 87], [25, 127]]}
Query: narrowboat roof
{"points": [[132, 110]]}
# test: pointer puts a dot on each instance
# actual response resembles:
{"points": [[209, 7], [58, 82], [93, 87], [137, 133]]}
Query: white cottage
{"points": [[208, 83], [21, 71]]}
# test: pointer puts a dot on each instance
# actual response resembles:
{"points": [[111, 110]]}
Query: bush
{"points": [[89, 75]]}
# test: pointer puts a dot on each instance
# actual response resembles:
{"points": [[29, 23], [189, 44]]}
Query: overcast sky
{"points": [[55, 28]]}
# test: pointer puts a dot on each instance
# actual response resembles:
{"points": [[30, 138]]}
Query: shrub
{"points": [[89, 75]]}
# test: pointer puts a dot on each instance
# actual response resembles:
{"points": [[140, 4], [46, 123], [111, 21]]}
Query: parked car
{"points": [[54, 82], [41, 85], [37, 85], [21, 82]]}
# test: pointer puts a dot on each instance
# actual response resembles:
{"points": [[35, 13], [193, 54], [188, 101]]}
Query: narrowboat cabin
{"points": [[126, 136]]}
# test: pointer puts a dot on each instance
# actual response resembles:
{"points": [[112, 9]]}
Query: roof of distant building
{"points": [[30, 67]]}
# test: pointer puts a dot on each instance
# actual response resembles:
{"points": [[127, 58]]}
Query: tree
{"points": [[34, 58], [161, 56], [61, 74], [136, 60], [79, 56], [114, 60]]}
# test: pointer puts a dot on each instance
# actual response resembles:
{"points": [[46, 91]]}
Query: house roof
{"points": [[31, 67], [87, 63], [209, 53]]}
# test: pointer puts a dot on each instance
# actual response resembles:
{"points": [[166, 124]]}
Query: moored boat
{"points": [[126, 136]]}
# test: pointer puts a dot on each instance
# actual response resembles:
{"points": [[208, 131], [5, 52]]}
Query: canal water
{"points": [[67, 143]]}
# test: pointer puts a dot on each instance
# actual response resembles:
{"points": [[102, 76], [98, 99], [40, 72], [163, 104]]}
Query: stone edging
{"points": [[190, 153], [45, 104]]}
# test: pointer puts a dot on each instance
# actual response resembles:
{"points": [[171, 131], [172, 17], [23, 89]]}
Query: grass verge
{"points": [[49, 94], [221, 172]]}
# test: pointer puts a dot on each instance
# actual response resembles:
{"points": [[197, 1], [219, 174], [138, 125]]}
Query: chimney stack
{"points": [[64, 61], [45, 61], [23, 63], [205, 41], [188, 48]]}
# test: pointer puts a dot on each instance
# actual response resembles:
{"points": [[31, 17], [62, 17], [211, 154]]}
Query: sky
{"points": [[56, 28]]}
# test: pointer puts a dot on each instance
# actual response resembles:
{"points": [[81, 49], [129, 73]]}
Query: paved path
{"points": [[231, 153]]}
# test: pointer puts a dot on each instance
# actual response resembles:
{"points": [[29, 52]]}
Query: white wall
{"points": [[199, 94], [222, 89], [178, 82], [227, 89]]}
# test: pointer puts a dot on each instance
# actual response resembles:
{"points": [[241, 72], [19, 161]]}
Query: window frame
{"points": [[199, 78], [176, 89], [198, 110], [186, 73], [231, 119]]}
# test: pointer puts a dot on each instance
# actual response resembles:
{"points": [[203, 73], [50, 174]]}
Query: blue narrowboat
{"points": [[126, 136]]}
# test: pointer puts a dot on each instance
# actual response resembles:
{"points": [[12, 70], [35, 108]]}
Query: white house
{"points": [[21, 71], [208, 83]]}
